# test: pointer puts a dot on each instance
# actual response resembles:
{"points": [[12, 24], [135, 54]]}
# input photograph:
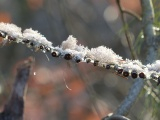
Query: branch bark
{"points": [[13, 110], [147, 21], [115, 117], [127, 34]]}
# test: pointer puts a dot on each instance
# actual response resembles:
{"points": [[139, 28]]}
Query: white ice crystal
{"points": [[69, 49], [70, 46], [36, 37], [104, 55], [11, 30], [134, 65], [70, 43], [154, 66]]}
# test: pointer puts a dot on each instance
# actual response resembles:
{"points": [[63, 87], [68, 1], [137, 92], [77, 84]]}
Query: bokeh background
{"points": [[62, 90]]}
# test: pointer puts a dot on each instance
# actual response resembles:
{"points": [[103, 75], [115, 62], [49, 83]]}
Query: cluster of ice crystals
{"points": [[70, 46], [36, 37], [134, 65], [104, 55], [70, 43], [11, 30], [154, 66], [70, 50]]}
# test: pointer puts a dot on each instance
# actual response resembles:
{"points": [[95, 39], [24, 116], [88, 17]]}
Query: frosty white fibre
{"points": [[11, 30], [104, 55], [70, 43], [154, 66], [70, 46], [35, 37]]}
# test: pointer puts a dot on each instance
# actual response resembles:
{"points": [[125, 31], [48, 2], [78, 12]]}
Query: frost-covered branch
{"points": [[70, 50], [150, 43]]}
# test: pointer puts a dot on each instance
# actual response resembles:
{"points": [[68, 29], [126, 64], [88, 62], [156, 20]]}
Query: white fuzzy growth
{"points": [[70, 43], [134, 65], [104, 55], [76, 54], [70, 46], [11, 30], [154, 66], [36, 37]]}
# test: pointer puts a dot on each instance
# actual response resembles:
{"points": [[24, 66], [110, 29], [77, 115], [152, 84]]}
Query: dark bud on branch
{"points": [[95, 62], [88, 60], [41, 47], [3, 34], [26, 41], [125, 73], [141, 75], [158, 82], [10, 38], [134, 74], [55, 54], [119, 70], [78, 60], [108, 66], [48, 49], [68, 56]]}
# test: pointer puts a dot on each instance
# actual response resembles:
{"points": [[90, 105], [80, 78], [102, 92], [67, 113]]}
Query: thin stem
{"points": [[130, 99], [128, 37], [132, 14], [147, 21], [13, 110], [115, 117]]}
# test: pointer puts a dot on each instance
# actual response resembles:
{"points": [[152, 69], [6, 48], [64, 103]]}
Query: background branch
{"points": [[13, 110], [115, 117], [127, 34], [147, 21]]}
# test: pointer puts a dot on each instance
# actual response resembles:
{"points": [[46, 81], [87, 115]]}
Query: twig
{"points": [[70, 50], [13, 110], [132, 14], [149, 33], [115, 117], [130, 99], [128, 37], [147, 21]]}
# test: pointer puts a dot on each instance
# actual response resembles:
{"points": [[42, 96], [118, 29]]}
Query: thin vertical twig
{"points": [[147, 21], [127, 34]]}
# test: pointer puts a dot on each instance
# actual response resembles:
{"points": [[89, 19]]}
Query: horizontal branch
{"points": [[69, 50]]}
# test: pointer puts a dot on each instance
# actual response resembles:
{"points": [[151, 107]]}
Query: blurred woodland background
{"points": [[95, 92]]}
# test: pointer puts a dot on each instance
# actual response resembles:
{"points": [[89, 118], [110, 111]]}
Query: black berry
{"points": [[26, 41], [158, 82], [78, 60], [67, 56], [88, 60], [119, 71], [134, 75], [125, 73], [48, 49], [41, 47], [95, 63], [55, 54], [108, 66], [31, 44], [142, 75], [2, 34], [11, 38]]}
